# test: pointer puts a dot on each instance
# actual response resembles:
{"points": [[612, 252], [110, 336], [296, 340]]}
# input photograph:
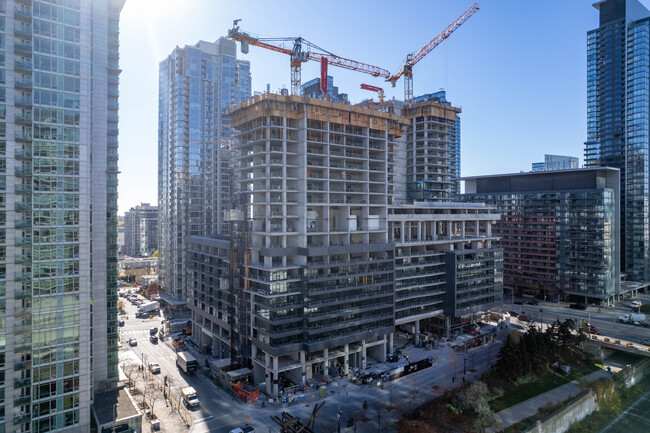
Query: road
{"points": [[605, 320]]}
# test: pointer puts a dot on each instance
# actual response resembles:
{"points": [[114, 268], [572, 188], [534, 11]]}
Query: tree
{"points": [[474, 399], [152, 392], [130, 370]]}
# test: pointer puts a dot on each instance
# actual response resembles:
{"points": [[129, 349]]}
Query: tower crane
{"points": [[413, 58], [302, 52]]}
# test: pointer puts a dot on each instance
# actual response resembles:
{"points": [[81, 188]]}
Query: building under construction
{"points": [[334, 253]]}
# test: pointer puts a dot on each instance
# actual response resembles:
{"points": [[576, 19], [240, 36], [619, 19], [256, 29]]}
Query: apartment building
{"points": [[141, 231], [556, 162], [197, 83], [58, 173]]}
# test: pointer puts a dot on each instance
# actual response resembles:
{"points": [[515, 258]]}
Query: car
{"points": [[578, 306], [533, 302], [154, 367], [593, 330], [153, 339], [523, 318], [513, 313], [133, 341], [518, 302], [121, 322], [153, 331], [645, 340], [635, 305], [247, 429]]}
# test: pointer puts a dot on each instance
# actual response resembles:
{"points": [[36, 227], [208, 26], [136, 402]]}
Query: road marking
{"points": [[202, 420]]}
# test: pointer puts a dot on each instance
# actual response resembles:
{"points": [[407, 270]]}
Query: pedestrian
{"points": [[453, 379]]}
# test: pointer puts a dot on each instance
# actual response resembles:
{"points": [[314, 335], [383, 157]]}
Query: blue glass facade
{"points": [[618, 119], [197, 83]]}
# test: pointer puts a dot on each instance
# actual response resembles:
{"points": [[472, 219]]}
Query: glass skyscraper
{"points": [[58, 210], [618, 119], [197, 83]]}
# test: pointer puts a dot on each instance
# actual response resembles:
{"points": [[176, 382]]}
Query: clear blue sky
{"points": [[517, 68]]}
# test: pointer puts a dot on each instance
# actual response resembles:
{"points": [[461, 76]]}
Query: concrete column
{"points": [[449, 229], [363, 354], [390, 343], [462, 229], [269, 375], [417, 331], [303, 370], [326, 362], [477, 226], [383, 350], [489, 228], [434, 232], [346, 359], [419, 230], [275, 375], [401, 232]]}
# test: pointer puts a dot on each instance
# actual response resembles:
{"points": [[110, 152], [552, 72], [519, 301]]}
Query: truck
{"points": [[633, 319], [147, 308], [189, 397], [186, 362]]}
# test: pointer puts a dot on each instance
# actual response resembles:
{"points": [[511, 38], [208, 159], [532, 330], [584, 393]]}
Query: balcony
{"points": [[23, 100], [23, 242], [24, 118], [23, 84], [23, 48], [22, 276], [23, 171], [22, 30], [24, 224], [23, 294], [21, 383], [23, 207], [23, 13], [22, 259], [21, 419], [23, 65], [23, 154], [21, 401]]}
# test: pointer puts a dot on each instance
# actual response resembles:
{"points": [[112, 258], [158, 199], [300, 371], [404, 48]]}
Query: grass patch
{"points": [[527, 390], [539, 384]]}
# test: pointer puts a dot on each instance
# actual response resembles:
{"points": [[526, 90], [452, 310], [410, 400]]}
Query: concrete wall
{"points": [[561, 420]]}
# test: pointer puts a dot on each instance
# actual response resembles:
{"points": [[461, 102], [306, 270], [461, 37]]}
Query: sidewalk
{"points": [[528, 408]]}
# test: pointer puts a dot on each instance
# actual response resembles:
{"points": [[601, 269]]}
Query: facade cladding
{"points": [[197, 83], [325, 236], [433, 150], [141, 231], [558, 229], [618, 119], [58, 172]]}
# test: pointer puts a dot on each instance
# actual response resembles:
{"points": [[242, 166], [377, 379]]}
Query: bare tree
{"points": [[130, 370], [152, 392], [379, 408]]}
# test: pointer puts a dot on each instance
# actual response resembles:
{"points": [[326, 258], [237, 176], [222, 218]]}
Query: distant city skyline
{"points": [[522, 84]]}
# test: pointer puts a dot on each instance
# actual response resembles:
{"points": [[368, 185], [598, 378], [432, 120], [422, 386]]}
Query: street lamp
{"points": [[541, 320], [115, 406], [338, 413]]}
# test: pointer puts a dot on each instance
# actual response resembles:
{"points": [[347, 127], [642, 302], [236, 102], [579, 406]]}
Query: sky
{"points": [[517, 68]]}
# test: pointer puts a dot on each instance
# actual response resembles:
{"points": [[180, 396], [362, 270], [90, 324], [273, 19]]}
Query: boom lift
{"points": [[413, 58], [300, 55]]}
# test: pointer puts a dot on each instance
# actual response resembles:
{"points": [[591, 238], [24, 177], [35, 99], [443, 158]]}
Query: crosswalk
{"points": [[135, 332]]}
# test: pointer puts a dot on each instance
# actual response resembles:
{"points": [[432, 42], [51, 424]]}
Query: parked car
{"points": [[153, 339], [523, 318], [153, 331], [518, 302], [121, 322], [578, 306], [533, 302], [133, 341], [513, 313], [154, 367], [593, 330], [645, 340]]}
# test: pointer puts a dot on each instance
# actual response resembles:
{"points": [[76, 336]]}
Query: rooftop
{"points": [[104, 402]]}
